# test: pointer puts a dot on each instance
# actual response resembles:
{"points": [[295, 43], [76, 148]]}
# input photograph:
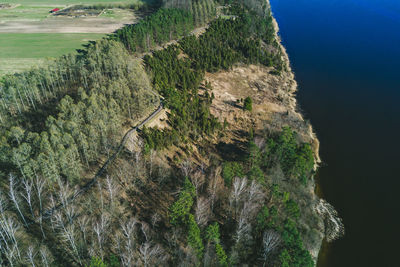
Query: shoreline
{"points": [[292, 94], [320, 251]]}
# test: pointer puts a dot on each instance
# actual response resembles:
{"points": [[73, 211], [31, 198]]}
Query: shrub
{"points": [[213, 235], [181, 208], [194, 237], [292, 208], [222, 257], [248, 104], [294, 253], [296, 161], [97, 262], [262, 219], [257, 174], [231, 170]]}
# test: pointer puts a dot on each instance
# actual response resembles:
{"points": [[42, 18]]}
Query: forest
{"points": [[224, 43], [166, 24], [203, 11], [157, 204], [156, 29], [60, 119], [178, 83], [228, 41]]}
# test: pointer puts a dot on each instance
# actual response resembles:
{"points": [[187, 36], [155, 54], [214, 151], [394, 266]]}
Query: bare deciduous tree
{"points": [[271, 241], [39, 188], [254, 198], [237, 193], [172, 237], [155, 219], [8, 242], [10, 256], [202, 167], [243, 227], [162, 174], [100, 188], [186, 167], [138, 154], [13, 196], [150, 254], [255, 193], [53, 219], [100, 229], [123, 174], [83, 222], [260, 142], [198, 180], [64, 192], [213, 186], [203, 211], [30, 256], [27, 194], [111, 188], [3, 205], [68, 234], [127, 251], [152, 155], [44, 255], [70, 213], [146, 231]]}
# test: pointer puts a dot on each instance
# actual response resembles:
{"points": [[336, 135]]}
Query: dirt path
{"points": [[49, 212]]}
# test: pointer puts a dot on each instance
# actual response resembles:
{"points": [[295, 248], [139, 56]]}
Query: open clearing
{"points": [[29, 33], [20, 51]]}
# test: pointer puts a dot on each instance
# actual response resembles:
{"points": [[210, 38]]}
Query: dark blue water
{"points": [[346, 57]]}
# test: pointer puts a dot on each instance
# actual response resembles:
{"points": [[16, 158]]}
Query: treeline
{"points": [[96, 92], [26, 91], [228, 41], [260, 7], [156, 29], [178, 83], [202, 10], [274, 225], [133, 6]]}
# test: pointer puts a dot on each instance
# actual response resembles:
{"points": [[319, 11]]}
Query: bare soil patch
{"points": [[8, 6], [231, 87], [160, 121], [274, 103], [78, 12]]}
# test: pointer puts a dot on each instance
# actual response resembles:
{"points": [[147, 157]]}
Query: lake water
{"points": [[346, 56]]}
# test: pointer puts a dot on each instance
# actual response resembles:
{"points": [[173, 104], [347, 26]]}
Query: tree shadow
{"points": [[231, 151], [232, 103]]}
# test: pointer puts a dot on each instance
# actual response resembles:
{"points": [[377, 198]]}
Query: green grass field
{"points": [[23, 43], [23, 50]]}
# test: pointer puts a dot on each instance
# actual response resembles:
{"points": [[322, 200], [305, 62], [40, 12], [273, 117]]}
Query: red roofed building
{"points": [[54, 10]]}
